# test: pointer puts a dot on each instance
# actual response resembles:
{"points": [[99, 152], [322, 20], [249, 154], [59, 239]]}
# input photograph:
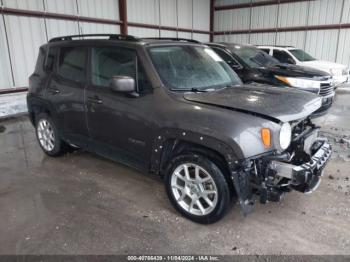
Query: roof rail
{"points": [[282, 46], [173, 39], [110, 36]]}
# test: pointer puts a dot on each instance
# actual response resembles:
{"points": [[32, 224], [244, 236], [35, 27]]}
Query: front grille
{"points": [[326, 89]]}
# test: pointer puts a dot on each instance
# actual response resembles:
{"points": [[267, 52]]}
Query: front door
{"points": [[119, 123]]}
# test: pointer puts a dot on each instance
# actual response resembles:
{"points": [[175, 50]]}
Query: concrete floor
{"points": [[83, 204]]}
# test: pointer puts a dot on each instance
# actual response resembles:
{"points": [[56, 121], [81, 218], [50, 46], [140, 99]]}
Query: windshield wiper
{"points": [[210, 89], [193, 89], [229, 86], [203, 90]]}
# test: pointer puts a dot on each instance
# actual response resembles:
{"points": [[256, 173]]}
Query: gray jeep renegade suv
{"points": [[173, 107]]}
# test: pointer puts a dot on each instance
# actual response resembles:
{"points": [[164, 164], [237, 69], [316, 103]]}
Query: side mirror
{"points": [[234, 65], [123, 84]]}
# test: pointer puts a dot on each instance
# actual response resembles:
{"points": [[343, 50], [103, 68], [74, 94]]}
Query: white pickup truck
{"points": [[292, 55]]}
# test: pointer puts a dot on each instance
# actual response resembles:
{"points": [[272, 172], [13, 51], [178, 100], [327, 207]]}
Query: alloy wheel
{"points": [[194, 189], [46, 135]]}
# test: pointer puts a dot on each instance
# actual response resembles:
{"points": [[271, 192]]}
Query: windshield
{"points": [[254, 57], [301, 55], [192, 68]]}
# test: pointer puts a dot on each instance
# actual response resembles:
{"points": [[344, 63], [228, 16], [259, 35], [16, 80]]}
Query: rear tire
{"points": [[48, 136], [197, 188]]}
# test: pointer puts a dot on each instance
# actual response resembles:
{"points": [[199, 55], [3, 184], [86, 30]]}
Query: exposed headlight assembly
{"points": [[300, 82], [285, 135]]}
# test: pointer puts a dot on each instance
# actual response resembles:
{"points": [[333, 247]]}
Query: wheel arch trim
{"points": [[230, 153], [35, 103]]}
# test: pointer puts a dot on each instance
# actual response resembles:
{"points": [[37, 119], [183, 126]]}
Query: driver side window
{"points": [[283, 57], [226, 57], [111, 61], [114, 61]]}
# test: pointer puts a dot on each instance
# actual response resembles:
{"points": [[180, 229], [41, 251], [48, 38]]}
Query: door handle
{"points": [[54, 91], [95, 100]]}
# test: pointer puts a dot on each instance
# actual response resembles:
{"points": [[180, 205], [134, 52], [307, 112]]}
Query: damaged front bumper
{"points": [[306, 177], [270, 177]]}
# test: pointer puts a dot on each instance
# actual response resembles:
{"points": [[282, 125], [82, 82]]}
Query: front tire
{"points": [[48, 136], [197, 188]]}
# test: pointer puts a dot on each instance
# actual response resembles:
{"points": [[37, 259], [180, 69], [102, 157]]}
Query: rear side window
{"points": [[72, 63], [267, 51], [283, 57], [50, 59], [41, 60]]}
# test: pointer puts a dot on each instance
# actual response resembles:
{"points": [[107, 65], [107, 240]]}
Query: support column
{"points": [[123, 17], [212, 10]]}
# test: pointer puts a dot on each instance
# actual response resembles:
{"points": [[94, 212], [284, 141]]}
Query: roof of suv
{"points": [[121, 38], [281, 47], [225, 44]]}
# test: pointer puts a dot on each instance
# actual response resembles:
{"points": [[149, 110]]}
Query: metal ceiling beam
{"points": [[285, 29], [40, 14], [169, 28], [13, 90], [254, 4]]}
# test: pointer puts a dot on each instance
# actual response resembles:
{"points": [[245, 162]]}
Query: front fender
{"points": [[230, 151]]}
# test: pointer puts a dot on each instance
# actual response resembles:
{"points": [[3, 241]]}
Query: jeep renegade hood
{"points": [[283, 104]]}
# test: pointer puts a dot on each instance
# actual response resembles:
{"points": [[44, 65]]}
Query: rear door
{"points": [[119, 124], [66, 93]]}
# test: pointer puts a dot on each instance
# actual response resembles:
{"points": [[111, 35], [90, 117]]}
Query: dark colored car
{"points": [[254, 65], [174, 108]]}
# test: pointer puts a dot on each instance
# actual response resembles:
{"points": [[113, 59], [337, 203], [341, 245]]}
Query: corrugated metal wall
{"points": [[21, 36], [189, 14], [324, 44], [24, 35]]}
